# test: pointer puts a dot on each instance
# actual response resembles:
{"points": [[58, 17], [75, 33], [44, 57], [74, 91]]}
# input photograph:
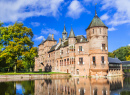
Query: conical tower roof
{"points": [[64, 31], [72, 35], [96, 22]]}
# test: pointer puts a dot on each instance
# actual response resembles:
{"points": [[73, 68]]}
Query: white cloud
{"points": [[35, 24], [111, 29], [14, 10], [121, 11], [75, 9], [49, 31], [128, 44], [104, 17], [39, 38]]}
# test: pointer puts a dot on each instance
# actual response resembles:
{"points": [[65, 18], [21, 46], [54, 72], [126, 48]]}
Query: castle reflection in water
{"points": [[79, 86]]}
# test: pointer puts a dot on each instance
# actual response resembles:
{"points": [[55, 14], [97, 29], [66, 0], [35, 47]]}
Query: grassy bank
{"points": [[24, 73]]}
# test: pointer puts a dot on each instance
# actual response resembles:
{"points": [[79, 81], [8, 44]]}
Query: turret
{"points": [[97, 34], [72, 38], [64, 34], [98, 46]]}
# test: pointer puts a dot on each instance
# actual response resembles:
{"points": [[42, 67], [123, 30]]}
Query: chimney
{"points": [[59, 40], [52, 36]]}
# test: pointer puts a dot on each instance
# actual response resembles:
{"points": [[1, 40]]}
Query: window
{"points": [[93, 31], [70, 60], [67, 50], [78, 72], [61, 51], [49, 55], [94, 60], [80, 60], [60, 62], [103, 46], [80, 48], [67, 61], [102, 59]]}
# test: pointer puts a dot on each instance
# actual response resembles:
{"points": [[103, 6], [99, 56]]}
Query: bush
{"points": [[40, 70]]}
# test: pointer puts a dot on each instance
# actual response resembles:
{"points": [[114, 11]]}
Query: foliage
{"points": [[16, 42], [28, 58], [122, 53]]}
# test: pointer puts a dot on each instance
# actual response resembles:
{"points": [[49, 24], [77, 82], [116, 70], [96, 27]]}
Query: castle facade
{"points": [[77, 55]]}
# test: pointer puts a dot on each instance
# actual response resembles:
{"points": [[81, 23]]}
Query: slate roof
{"points": [[80, 39], [114, 60], [49, 38], [64, 31], [53, 48], [125, 62], [96, 22], [71, 35]]}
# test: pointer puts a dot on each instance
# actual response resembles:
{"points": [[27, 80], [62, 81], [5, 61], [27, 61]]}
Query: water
{"points": [[72, 86]]}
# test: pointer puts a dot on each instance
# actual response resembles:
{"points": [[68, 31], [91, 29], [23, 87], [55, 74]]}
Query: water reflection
{"points": [[72, 86]]}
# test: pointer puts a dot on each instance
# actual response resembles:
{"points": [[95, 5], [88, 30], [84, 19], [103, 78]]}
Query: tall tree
{"points": [[16, 39], [28, 58]]}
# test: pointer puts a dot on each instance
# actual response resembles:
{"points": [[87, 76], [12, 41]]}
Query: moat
{"points": [[67, 86]]}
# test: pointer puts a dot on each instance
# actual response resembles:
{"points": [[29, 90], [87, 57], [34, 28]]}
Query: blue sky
{"points": [[48, 17]]}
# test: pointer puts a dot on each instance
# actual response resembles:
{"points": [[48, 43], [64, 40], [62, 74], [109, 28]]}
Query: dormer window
{"points": [[61, 51], [80, 48]]}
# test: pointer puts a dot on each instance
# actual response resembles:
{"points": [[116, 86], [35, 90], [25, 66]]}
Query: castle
{"points": [[77, 55]]}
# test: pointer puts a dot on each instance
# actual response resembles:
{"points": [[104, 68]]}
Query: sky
{"points": [[46, 17]]}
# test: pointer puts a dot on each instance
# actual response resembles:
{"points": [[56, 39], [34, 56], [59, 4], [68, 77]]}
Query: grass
{"points": [[24, 73]]}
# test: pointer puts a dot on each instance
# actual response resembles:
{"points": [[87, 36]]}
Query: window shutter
{"points": [[82, 49], [79, 90], [104, 62], [92, 62], [78, 49], [101, 48], [78, 63], [83, 62], [106, 48]]}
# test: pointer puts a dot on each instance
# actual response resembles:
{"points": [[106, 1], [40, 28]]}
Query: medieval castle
{"points": [[77, 55]]}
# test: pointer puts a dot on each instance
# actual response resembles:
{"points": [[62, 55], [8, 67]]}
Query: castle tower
{"points": [[72, 39], [64, 34], [98, 46]]}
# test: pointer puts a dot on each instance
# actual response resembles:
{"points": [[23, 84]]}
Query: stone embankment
{"points": [[31, 77]]}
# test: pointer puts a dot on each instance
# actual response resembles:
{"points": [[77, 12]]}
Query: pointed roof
{"points": [[72, 35], [96, 22], [64, 31]]}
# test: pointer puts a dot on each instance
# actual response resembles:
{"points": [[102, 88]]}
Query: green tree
{"points": [[16, 39], [28, 58], [110, 54]]}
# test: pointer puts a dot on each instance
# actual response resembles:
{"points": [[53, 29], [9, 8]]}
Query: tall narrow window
{"points": [[67, 61], [103, 46], [93, 31], [70, 60], [94, 60], [81, 60], [80, 48], [61, 51], [102, 59], [60, 62]]}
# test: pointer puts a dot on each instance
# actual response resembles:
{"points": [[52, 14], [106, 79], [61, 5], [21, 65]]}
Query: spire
{"points": [[64, 31], [95, 10], [72, 35]]}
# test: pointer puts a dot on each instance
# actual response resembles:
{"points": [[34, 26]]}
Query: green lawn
{"points": [[12, 73]]}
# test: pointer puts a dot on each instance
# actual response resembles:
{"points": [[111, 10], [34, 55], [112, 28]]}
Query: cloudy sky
{"points": [[48, 17]]}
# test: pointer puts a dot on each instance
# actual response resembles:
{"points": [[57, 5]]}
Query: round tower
{"points": [[98, 46]]}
